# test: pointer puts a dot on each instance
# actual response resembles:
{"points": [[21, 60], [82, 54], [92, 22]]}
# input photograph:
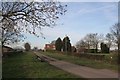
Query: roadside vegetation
{"points": [[83, 61], [18, 18], [25, 65]]}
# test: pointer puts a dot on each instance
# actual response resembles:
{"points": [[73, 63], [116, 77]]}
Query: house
{"points": [[49, 47]]}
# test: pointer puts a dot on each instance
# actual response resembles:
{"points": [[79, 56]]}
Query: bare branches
{"points": [[115, 30], [32, 16], [33, 12], [90, 41], [110, 39]]}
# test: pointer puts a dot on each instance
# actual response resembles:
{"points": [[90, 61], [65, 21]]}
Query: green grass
{"points": [[26, 65], [82, 61]]}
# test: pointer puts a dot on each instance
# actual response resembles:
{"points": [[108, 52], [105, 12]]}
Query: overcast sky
{"points": [[80, 19]]}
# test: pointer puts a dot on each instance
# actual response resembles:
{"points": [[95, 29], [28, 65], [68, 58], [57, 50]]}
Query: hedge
{"points": [[109, 58], [10, 53]]}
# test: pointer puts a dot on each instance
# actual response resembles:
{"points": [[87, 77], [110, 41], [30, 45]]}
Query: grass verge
{"points": [[82, 61], [25, 65]]}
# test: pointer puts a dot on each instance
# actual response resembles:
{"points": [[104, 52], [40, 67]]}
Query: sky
{"points": [[61, 0], [80, 19]]}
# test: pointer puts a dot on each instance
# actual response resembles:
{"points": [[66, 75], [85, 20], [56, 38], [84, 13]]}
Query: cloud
{"points": [[93, 10], [109, 11]]}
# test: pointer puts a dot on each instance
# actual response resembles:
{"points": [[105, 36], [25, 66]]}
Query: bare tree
{"points": [[115, 30], [110, 39], [97, 38], [87, 39], [11, 36], [18, 17], [81, 44], [92, 40]]}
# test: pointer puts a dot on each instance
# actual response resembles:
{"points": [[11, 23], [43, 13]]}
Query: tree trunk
{"points": [[88, 48], [96, 48], [2, 43], [1, 49], [118, 53], [118, 48]]}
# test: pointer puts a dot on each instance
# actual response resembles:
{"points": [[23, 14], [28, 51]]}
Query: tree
{"points": [[27, 46], [53, 42], [81, 44], [115, 30], [104, 48], [87, 39], [28, 17], [35, 48], [73, 49], [58, 44], [66, 44], [92, 40], [10, 37], [110, 39], [96, 39]]}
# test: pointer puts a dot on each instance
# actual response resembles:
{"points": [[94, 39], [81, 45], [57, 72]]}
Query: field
{"points": [[82, 61], [25, 65]]}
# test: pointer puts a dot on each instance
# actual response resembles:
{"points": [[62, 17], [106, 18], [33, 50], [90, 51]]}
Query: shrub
{"points": [[93, 56], [93, 50], [112, 58], [52, 51], [27, 46], [6, 54], [104, 48]]}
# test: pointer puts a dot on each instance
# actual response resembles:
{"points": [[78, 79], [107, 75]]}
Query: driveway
{"points": [[82, 71]]}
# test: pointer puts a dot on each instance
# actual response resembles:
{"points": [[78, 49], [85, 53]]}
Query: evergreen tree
{"points": [[104, 48], [66, 44], [58, 44]]}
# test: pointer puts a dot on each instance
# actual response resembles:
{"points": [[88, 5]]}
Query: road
{"points": [[82, 71]]}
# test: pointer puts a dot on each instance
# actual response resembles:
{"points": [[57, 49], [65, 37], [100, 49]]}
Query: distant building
{"points": [[49, 47]]}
